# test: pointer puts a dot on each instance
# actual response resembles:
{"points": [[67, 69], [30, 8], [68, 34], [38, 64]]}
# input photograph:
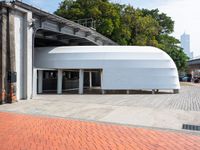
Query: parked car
{"points": [[185, 79]]}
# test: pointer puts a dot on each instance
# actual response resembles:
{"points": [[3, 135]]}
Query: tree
{"points": [[105, 13], [166, 42], [128, 26], [166, 23], [170, 45]]}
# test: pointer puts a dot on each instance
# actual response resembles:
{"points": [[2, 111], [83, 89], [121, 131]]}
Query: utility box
{"points": [[12, 77]]}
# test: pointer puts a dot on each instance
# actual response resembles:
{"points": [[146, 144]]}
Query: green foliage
{"points": [[166, 24], [127, 25], [170, 45]]}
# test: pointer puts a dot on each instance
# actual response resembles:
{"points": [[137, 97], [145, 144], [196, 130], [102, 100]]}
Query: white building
{"points": [[185, 44], [119, 67]]}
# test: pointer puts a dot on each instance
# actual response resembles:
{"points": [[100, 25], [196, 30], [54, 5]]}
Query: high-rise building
{"points": [[185, 44]]}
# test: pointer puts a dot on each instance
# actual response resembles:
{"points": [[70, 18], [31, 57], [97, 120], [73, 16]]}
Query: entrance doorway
{"points": [[69, 81], [91, 81], [49, 82]]}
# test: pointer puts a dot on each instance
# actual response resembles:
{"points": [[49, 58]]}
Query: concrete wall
{"points": [[20, 55], [16, 52], [24, 53]]}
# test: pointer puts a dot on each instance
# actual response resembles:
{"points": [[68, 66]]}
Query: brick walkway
{"points": [[24, 132]]}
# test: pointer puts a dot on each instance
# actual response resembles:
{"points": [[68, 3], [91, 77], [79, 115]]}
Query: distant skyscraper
{"points": [[185, 44]]}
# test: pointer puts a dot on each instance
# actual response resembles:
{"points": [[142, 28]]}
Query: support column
{"points": [[3, 55], [81, 78], [192, 73], [90, 78], [11, 61], [35, 74], [102, 90], [127, 92], [30, 62], [59, 81], [153, 91], [40, 81]]}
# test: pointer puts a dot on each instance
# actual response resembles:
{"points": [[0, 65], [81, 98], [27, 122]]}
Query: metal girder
{"points": [[61, 26], [97, 38], [46, 21], [62, 23], [88, 33], [78, 41], [76, 30], [63, 37], [50, 42], [51, 34]]}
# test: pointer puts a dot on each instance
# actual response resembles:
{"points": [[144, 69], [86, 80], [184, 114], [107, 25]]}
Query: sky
{"points": [[185, 13]]}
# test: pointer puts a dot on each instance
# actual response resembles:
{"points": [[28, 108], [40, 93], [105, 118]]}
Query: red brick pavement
{"points": [[25, 132]]}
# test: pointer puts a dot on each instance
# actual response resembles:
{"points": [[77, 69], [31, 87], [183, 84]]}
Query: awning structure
{"points": [[123, 67]]}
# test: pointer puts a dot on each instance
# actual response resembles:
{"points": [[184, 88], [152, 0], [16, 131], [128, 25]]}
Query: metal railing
{"points": [[87, 22]]}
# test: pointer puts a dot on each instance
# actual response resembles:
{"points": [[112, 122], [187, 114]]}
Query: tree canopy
{"points": [[128, 26]]}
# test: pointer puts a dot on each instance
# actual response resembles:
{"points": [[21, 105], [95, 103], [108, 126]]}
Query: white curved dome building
{"points": [[121, 67]]}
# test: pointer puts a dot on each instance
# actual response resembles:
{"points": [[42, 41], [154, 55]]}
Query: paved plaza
{"points": [[26, 132], [165, 111]]}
